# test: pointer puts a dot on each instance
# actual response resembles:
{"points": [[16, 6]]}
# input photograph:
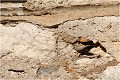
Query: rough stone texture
{"points": [[14, 62], [33, 47], [48, 4], [53, 20], [23, 43], [67, 7], [111, 73], [25, 46], [11, 5], [28, 40], [11, 9], [104, 29]]}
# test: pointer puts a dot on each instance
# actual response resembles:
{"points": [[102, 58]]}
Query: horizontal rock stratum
{"points": [[42, 7], [61, 15], [48, 4]]}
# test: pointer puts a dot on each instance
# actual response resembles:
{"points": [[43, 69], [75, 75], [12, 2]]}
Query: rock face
{"points": [[111, 73], [48, 4], [104, 29], [34, 43], [28, 40]]}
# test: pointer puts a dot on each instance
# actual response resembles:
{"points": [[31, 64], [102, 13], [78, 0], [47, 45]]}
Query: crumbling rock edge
{"points": [[49, 4], [52, 20], [67, 67], [45, 25]]}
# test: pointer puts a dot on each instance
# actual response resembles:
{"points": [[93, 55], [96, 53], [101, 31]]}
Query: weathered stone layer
{"points": [[49, 4], [69, 14]]}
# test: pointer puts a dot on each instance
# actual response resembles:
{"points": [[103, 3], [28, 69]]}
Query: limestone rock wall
{"points": [[49, 4], [32, 44]]}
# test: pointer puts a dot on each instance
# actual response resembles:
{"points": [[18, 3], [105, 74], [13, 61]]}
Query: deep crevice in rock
{"points": [[16, 70]]}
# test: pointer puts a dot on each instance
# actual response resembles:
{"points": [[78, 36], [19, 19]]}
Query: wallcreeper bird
{"points": [[86, 47]]}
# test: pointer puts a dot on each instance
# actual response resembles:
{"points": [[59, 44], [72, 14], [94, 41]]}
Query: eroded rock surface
{"points": [[34, 45], [48, 4], [111, 73], [56, 59], [28, 40], [104, 29]]}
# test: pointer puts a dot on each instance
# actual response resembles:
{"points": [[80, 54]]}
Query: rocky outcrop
{"points": [[104, 29], [110, 73], [70, 7], [26, 39], [34, 43], [50, 4]]}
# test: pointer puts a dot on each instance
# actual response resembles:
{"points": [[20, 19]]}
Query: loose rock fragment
{"points": [[99, 51]]}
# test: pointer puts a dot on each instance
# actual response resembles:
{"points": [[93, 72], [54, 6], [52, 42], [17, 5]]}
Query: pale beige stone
{"points": [[99, 51], [28, 40], [35, 4], [102, 29], [27, 46], [111, 73]]}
